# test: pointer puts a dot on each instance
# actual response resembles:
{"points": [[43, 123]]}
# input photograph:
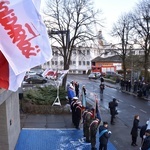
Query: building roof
{"points": [[115, 58]]}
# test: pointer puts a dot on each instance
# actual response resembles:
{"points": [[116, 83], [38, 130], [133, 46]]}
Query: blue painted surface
{"points": [[57, 139]]}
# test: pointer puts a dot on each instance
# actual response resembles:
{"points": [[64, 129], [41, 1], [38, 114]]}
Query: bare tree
{"points": [[122, 30], [141, 19], [73, 21]]}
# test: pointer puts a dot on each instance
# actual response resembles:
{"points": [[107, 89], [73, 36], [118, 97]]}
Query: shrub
{"points": [[44, 95]]}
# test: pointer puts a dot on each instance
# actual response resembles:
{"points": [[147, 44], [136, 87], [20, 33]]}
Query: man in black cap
{"points": [[113, 111], [104, 135]]}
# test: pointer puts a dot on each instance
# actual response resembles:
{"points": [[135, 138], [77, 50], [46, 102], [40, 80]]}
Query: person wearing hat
{"points": [[146, 141], [93, 131], [87, 121], [78, 115], [73, 107], [70, 93], [113, 111], [142, 131], [104, 135]]}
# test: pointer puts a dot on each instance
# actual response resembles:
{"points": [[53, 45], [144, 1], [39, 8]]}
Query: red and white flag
{"points": [[23, 35], [24, 42], [50, 74], [8, 79]]}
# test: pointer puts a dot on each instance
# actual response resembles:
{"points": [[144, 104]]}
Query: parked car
{"points": [[36, 79], [94, 75], [113, 74]]}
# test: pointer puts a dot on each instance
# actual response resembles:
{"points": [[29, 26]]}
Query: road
{"points": [[128, 104]]}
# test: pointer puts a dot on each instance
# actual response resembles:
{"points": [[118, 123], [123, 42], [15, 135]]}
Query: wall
{"points": [[9, 120]]}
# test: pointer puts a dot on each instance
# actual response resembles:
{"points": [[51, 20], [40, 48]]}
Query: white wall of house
{"points": [[80, 60]]}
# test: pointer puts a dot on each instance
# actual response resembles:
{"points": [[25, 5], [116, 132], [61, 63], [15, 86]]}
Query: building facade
{"points": [[80, 60]]}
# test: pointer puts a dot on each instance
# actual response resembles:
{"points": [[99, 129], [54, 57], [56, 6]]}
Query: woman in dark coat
{"points": [[134, 131]]}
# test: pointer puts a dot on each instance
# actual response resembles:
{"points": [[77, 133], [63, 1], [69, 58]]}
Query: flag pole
{"points": [[57, 100]]}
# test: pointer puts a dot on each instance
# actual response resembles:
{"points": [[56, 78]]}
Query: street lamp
{"points": [[67, 32]]}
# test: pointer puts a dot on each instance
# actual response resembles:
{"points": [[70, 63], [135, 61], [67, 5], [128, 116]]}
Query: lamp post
{"points": [[67, 32]]}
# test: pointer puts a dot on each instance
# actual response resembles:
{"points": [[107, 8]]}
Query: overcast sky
{"points": [[112, 9]]}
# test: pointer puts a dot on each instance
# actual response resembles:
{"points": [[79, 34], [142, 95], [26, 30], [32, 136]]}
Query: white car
{"points": [[94, 75]]}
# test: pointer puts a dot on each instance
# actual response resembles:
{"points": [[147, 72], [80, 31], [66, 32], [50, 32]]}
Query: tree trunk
{"points": [[146, 67]]}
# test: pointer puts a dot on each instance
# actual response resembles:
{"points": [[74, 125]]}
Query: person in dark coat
{"points": [[77, 89], [146, 142], [122, 84], [93, 131], [102, 87], [134, 130], [73, 107], [83, 121], [104, 135], [78, 115], [87, 122], [143, 129], [112, 106]]}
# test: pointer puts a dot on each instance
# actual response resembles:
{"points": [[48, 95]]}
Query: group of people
{"points": [[144, 134], [91, 124], [140, 87]]}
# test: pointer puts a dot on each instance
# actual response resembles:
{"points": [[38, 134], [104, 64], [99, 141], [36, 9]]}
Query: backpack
{"points": [[101, 86], [110, 105]]}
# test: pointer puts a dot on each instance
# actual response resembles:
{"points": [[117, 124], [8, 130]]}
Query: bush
{"points": [[44, 95]]}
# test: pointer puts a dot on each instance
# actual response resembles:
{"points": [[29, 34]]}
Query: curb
{"points": [[144, 98]]}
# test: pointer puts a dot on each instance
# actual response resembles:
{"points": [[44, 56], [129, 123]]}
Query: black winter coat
{"points": [[112, 107], [142, 131], [104, 138], [146, 143], [134, 131]]}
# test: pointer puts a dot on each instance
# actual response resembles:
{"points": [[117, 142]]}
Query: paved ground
{"points": [[63, 121]]}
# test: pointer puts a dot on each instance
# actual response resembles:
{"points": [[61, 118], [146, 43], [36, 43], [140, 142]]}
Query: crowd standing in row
{"points": [[140, 87], [92, 122], [87, 117]]}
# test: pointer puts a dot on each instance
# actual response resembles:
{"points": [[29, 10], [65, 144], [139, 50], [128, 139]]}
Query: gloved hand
{"points": [[109, 132]]}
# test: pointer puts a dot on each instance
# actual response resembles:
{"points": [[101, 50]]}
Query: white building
{"points": [[80, 61]]}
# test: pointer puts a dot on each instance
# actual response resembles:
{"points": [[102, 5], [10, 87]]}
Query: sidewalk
{"points": [[117, 86]]}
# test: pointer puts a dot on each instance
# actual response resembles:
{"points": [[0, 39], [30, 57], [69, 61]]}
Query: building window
{"points": [[56, 53], [88, 52], [84, 63], [80, 63], [56, 63], [61, 63], [52, 62], [74, 62], [83, 52], [88, 63], [80, 52]]}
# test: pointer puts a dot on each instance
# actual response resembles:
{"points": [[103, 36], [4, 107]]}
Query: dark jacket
{"points": [[134, 130], [146, 143], [142, 131], [104, 138], [112, 107]]}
